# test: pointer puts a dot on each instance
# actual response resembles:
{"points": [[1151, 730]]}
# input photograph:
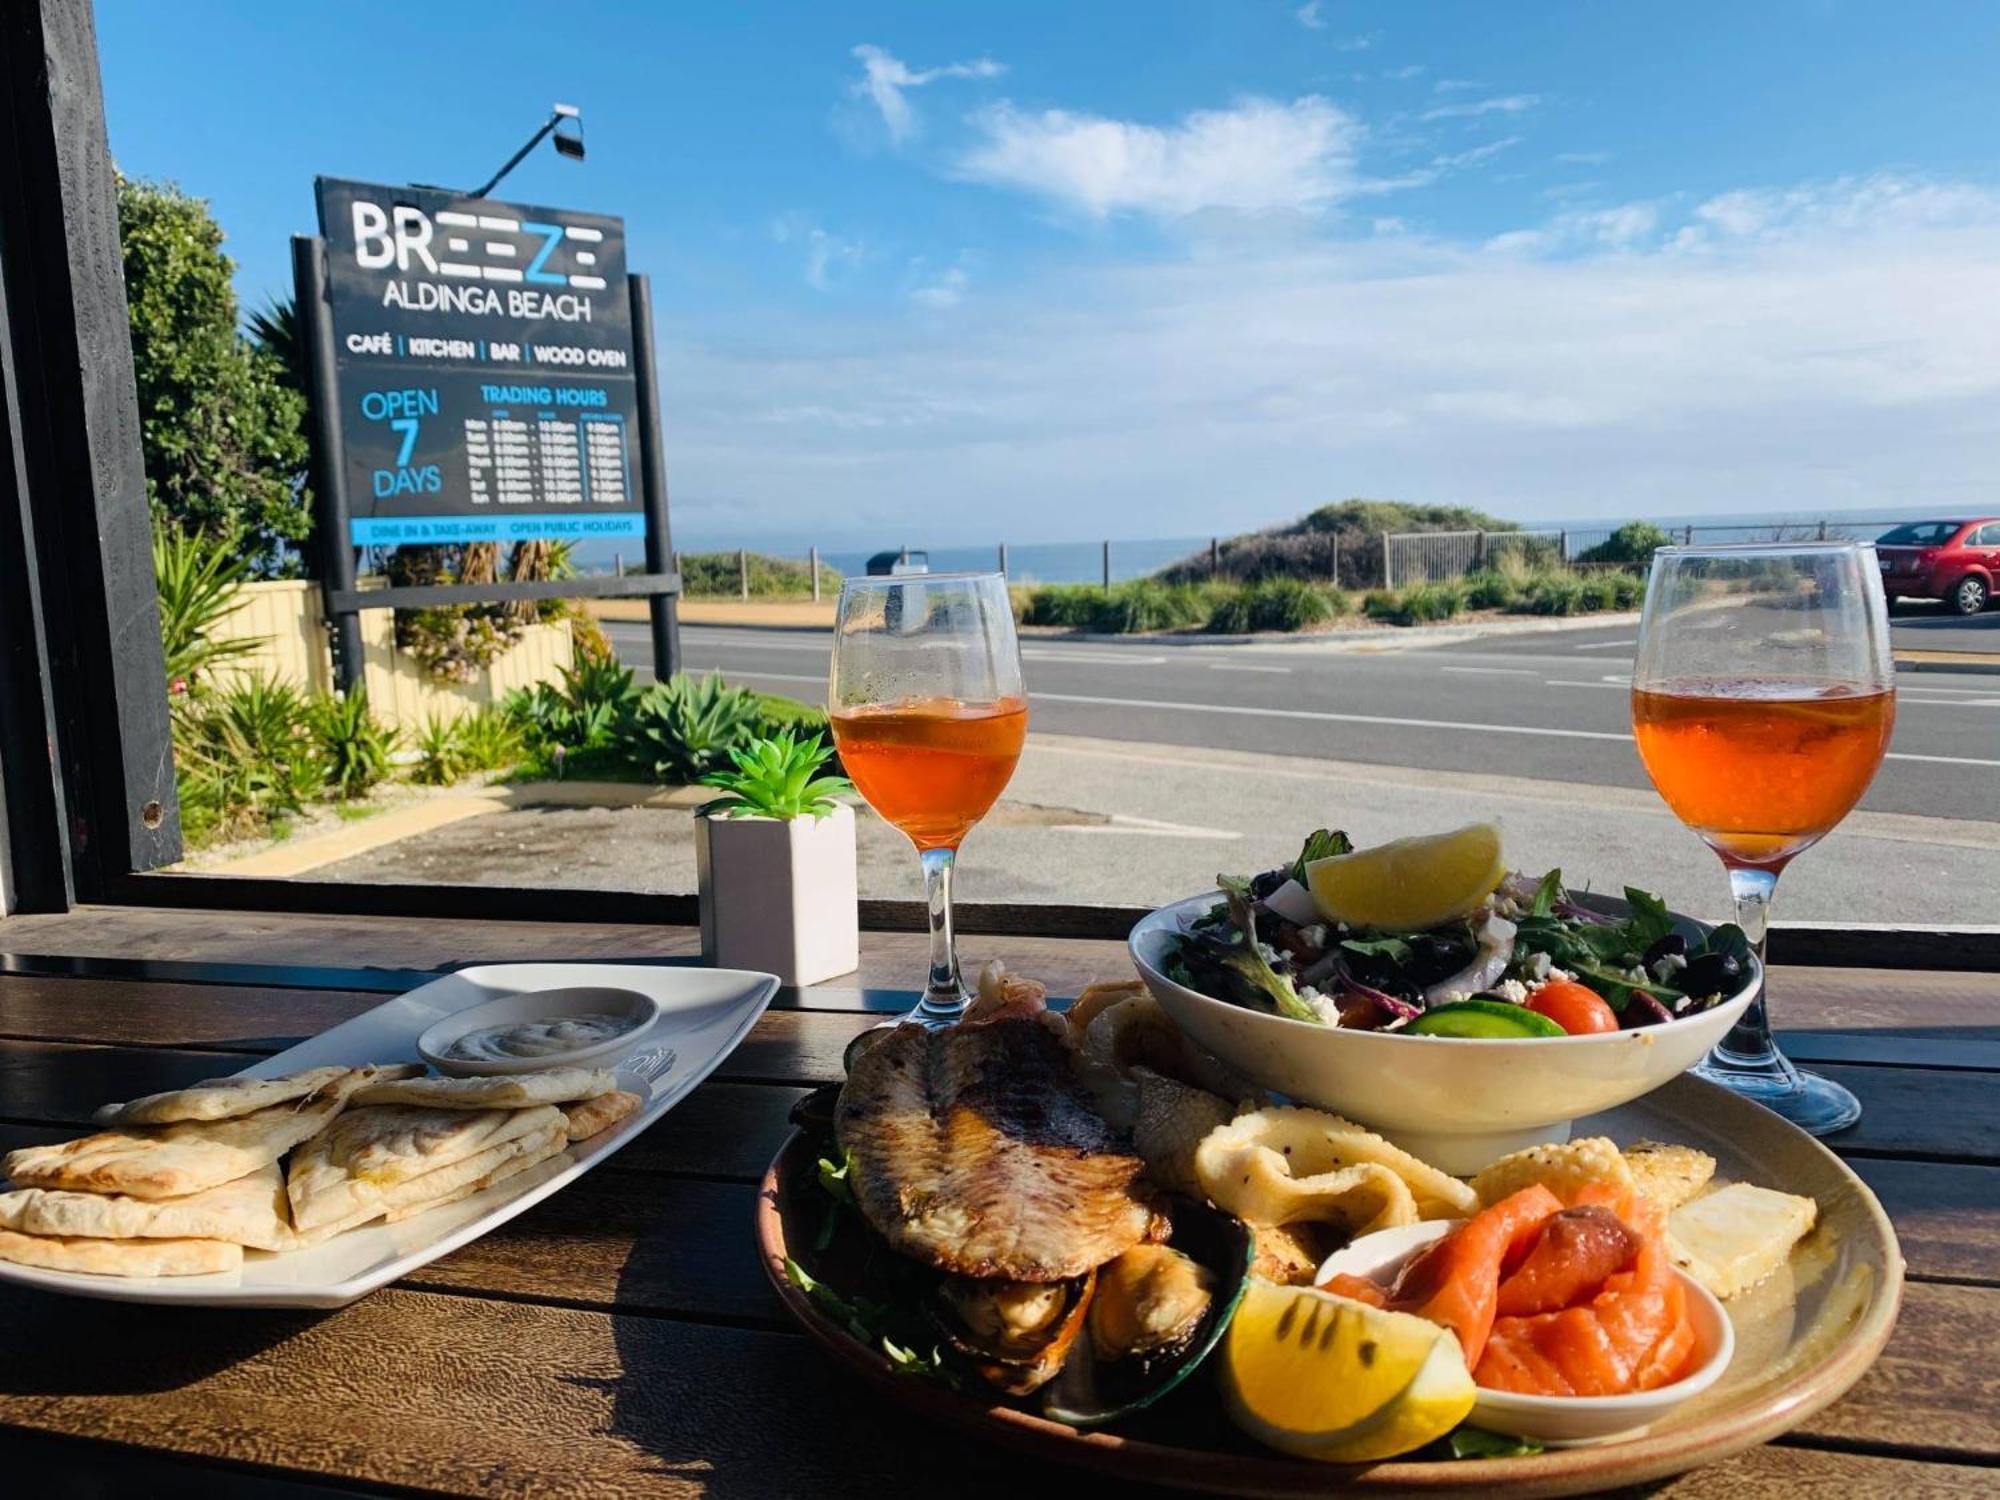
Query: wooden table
{"points": [[618, 1339]]}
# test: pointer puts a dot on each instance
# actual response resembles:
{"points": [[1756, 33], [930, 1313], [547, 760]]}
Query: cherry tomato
{"points": [[1577, 1008]]}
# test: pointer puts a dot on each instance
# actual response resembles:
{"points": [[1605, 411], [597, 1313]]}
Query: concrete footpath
{"points": [[1104, 821]]}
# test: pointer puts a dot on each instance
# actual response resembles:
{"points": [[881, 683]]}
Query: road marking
{"points": [[1604, 645], [1090, 658], [1493, 671], [1321, 717], [1242, 666], [1621, 684]]}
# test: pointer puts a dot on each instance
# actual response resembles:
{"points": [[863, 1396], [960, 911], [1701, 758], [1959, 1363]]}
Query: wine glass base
{"points": [[1817, 1105]]}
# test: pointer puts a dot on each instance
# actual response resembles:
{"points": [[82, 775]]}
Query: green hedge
{"points": [[715, 575]]}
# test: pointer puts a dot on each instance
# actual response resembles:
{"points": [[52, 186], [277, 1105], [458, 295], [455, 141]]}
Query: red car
{"points": [[1956, 561]]}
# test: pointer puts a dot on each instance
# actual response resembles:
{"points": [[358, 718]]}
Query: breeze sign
{"points": [[484, 368]]}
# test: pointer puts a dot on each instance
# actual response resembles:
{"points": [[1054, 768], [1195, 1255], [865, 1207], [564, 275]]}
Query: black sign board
{"points": [[484, 368]]}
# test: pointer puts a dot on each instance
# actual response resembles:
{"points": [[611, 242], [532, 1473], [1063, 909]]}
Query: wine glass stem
{"points": [[944, 995], [1749, 1047]]}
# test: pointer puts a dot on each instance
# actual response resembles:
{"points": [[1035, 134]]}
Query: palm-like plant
{"points": [[777, 777], [198, 578], [679, 730]]}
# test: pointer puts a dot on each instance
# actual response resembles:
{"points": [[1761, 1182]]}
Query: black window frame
{"points": [[85, 748]]}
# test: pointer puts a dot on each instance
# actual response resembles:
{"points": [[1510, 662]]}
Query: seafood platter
{"points": [[1083, 1233]]}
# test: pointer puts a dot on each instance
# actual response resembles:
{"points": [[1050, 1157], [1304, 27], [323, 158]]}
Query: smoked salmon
{"points": [[1552, 1298]]}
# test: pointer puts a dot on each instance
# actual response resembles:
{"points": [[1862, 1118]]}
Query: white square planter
{"points": [[780, 895]]}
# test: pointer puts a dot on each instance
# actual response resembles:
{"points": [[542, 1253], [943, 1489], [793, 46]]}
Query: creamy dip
{"points": [[538, 1038]]}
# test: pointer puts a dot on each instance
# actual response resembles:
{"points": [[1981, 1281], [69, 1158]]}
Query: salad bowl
{"points": [[1457, 1102]]}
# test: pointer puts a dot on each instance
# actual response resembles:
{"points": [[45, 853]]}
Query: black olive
{"points": [[1436, 956], [1672, 945], [1262, 885], [1710, 974]]}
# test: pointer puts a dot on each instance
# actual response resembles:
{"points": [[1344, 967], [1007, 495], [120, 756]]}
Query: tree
{"points": [[222, 428], [1632, 544]]}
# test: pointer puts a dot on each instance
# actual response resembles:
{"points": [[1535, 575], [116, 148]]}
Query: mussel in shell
{"points": [[1157, 1312], [1016, 1333]]}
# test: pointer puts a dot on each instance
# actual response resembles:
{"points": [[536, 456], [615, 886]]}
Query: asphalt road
{"points": [[1545, 707]]}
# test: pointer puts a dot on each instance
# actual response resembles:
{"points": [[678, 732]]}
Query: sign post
{"points": [[481, 372]]}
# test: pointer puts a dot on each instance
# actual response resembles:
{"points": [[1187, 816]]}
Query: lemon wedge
{"points": [[1410, 884], [1329, 1378]]}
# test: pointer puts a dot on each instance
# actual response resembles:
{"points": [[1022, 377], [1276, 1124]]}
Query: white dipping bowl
{"points": [[538, 1005], [1455, 1102], [1559, 1421]]}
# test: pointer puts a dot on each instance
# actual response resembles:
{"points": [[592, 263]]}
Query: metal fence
{"points": [[1432, 556], [1395, 560]]}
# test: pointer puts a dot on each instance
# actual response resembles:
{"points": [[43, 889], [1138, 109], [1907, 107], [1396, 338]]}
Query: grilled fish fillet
{"points": [[976, 1151]]}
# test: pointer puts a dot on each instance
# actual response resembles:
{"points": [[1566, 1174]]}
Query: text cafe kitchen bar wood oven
{"points": [[485, 365]]}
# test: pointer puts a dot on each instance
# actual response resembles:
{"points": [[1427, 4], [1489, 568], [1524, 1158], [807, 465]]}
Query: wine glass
{"points": [[929, 716], [1762, 701]]}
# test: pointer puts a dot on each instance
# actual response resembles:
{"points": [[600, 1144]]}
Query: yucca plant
{"points": [[680, 729], [778, 777], [355, 746], [199, 578], [440, 748]]}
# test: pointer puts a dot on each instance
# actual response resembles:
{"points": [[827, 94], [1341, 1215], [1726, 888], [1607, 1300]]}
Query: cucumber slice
{"points": [[1482, 1018]]}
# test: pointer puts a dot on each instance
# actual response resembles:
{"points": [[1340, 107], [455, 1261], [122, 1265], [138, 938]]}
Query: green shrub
{"points": [[488, 740], [1289, 604], [1553, 594], [1382, 604], [679, 730], [1069, 606], [244, 755], [1428, 603], [1131, 608], [1598, 592], [1490, 590], [1631, 544], [199, 579], [557, 720], [440, 751], [1629, 590], [355, 747], [716, 575]]}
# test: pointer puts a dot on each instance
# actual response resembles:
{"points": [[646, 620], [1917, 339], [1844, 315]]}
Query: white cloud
{"points": [[1256, 157], [1819, 346], [826, 253], [1455, 85], [1583, 158], [945, 290], [1474, 155], [1405, 73], [1309, 16], [885, 78], [1504, 104]]}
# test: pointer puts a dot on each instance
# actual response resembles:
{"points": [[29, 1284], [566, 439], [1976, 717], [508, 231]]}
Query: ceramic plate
{"points": [[1802, 1338], [704, 1014]]}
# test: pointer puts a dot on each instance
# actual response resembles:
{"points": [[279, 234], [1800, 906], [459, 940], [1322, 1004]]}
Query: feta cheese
{"points": [[1538, 966], [1668, 965], [1511, 989], [1314, 935]]}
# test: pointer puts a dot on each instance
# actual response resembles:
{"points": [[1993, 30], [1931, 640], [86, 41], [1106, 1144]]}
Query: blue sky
{"points": [[1055, 272]]}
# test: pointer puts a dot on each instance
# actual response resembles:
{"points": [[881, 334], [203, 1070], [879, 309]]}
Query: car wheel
{"points": [[1970, 595]]}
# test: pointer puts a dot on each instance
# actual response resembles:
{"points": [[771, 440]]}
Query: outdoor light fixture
{"points": [[565, 123]]}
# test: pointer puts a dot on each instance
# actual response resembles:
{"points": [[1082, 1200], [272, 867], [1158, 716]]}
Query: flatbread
{"points": [[249, 1211], [120, 1257], [589, 1116], [348, 1167], [173, 1161], [534, 1151], [228, 1098], [553, 1086]]}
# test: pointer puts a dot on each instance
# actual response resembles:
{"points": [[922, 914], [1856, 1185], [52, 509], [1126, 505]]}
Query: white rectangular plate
{"points": [[704, 1014]]}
